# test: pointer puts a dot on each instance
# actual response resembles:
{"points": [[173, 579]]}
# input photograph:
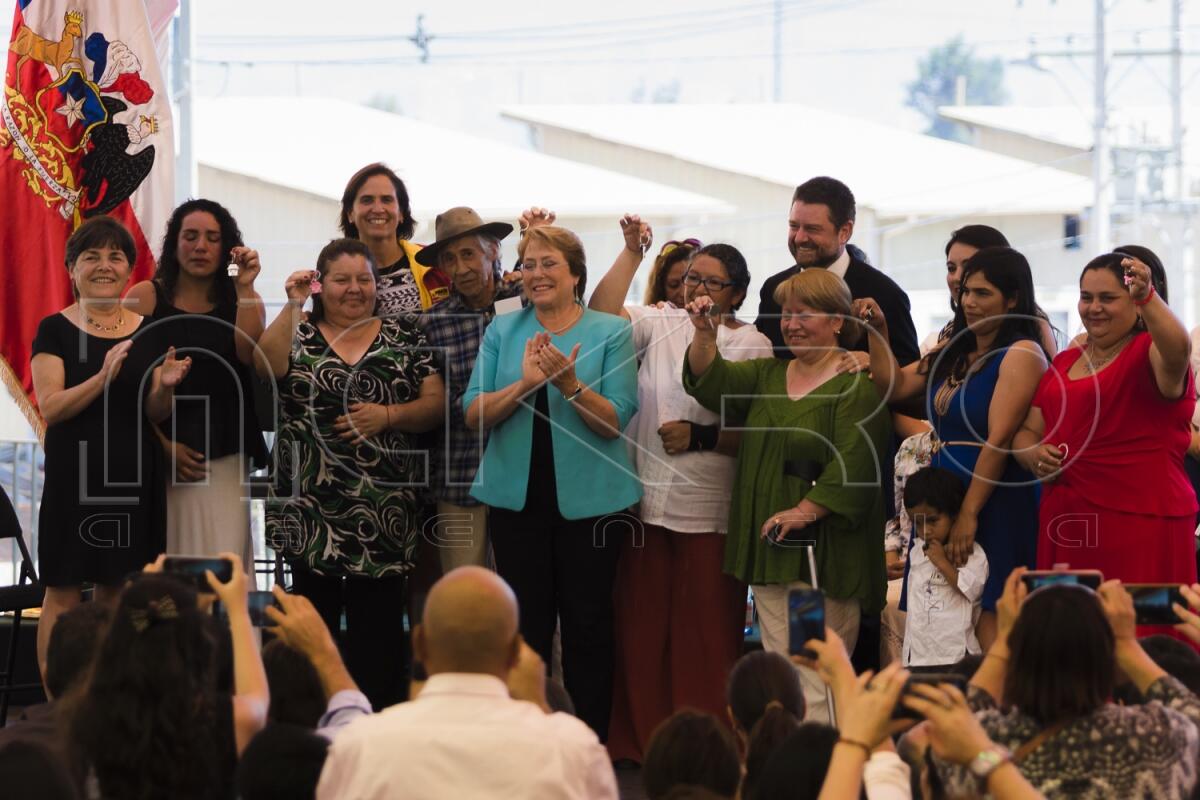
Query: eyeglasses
{"points": [[712, 284], [671, 245]]}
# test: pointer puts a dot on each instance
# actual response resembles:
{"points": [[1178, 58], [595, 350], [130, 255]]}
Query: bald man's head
{"points": [[469, 624]]}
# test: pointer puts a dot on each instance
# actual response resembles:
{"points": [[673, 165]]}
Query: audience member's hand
{"points": [[1008, 607], [1118, 609], [156, 565], [954, 732], [233, 593], [527, 679], [866, 716], [1190, 627], [832, 663], [298, 625]]}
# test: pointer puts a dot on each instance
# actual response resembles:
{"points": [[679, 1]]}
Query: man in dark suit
{"points": [[820, 224]]}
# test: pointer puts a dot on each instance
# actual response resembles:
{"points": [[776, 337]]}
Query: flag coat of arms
{"points": [[85, 129]]}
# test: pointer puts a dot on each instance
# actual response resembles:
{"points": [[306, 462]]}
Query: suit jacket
{"points": [[864, 281]]}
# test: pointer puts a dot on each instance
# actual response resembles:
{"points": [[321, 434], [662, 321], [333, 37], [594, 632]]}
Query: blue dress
{"points": [[1008, 523]]}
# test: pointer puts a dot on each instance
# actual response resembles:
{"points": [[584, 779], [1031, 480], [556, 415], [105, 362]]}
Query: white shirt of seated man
{"points": [[465, 735]]}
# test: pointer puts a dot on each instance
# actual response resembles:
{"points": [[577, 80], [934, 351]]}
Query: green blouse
{"points": [[827, 446]]}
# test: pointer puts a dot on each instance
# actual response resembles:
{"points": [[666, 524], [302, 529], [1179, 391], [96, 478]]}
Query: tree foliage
{"points": [[937, 81]]}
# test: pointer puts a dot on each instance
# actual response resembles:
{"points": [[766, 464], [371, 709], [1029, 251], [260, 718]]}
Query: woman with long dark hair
{"points": [[213, 437], [1108, 432], [978, 385], [150, 721]]}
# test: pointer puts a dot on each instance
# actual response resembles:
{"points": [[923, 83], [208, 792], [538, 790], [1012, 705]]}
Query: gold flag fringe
{"points": [[10, 380]]}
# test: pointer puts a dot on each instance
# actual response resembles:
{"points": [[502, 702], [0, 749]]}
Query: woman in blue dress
{"points": [[978, 384]]}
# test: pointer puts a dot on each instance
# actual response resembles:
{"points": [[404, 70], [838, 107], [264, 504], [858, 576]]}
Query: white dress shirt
{"points": [[940, 627], [841, 264], [465, 737], [686, 492]]}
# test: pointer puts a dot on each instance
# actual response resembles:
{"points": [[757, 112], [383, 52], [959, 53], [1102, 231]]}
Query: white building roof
{"points": [[315, 144], [893, 171], [1072, 126]]}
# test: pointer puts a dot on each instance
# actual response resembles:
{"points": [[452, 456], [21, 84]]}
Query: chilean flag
{"points": [[85, 129]]}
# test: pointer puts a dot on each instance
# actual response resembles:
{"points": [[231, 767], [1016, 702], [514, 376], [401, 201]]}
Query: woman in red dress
{"points": [[1108, 431]]}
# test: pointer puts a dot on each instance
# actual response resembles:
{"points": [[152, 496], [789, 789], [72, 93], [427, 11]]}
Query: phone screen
{"points": [[1089, 578], [257, 604], [1152, 603], [192, 569], [806, 620]]}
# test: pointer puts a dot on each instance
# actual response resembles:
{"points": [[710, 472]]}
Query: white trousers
{"points": [[212, 515], [460, 535]]}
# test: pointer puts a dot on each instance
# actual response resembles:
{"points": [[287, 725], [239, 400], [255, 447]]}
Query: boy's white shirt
{"points": [[940, 625]]}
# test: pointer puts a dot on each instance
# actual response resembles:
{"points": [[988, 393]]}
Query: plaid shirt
{"points": [[455, 331]]}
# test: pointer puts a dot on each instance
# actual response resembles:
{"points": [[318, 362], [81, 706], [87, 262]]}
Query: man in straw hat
{"points": [[468, 251]]}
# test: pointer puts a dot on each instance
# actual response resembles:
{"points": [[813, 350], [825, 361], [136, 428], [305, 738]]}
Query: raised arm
{"points": [[609, 295], [1170, 346], [251, 313], [275, 344], [894, 383], [251, 697]]}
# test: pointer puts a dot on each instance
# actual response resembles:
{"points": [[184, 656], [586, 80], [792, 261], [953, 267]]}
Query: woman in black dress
{"points": [[213, 438], [98, 381]]}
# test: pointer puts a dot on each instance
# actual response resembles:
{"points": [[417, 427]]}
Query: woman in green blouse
{"points": [[809, 469]]}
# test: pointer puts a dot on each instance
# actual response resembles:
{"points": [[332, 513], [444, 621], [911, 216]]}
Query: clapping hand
{"points": [[174, 370], [555, 367]]}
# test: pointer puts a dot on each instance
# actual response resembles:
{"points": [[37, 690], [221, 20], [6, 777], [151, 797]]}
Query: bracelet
{"points": [[702, 437], [570, 398], [388, 411], [996, 655], [1148, 298], [854, 743]]}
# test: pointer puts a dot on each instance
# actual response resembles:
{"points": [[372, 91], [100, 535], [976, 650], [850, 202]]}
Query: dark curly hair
{"points": [[167, 275], [146, 720], [1008, 271], [355, 184]]}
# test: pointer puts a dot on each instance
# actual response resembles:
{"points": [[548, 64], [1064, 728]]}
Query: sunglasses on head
{"points": [[671, 245]]}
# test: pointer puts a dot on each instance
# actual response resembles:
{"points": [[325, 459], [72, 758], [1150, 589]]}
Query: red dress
{"points": [[1123, 503]]}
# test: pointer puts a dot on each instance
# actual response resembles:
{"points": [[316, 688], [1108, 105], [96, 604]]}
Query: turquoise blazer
{"points": [[594, 475]]}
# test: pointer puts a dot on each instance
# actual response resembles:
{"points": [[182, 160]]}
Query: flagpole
{"points": [[182, 73]]}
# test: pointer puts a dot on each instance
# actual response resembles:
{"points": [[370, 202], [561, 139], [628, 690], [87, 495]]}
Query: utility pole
{"points": [[183, 86], [421, 39], [777, 89], [1101, 159]]}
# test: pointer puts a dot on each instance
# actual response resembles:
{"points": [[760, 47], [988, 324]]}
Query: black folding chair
{"points": [[26, 593]]}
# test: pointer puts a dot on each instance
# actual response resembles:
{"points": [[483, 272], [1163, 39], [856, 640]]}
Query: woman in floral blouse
{"points": [[1043, 692], [343, 508]]}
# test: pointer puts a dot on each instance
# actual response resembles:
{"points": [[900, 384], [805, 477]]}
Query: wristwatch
{"points": [[986, 762]]}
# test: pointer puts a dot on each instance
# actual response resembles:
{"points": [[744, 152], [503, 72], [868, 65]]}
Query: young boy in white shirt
{"points": [[943, 602]]}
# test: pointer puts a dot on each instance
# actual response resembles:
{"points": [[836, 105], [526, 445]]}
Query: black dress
{"points": [[214, 403], [102, 511]]}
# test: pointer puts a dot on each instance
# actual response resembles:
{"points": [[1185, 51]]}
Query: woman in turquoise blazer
{"points": [[555, 384]]}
